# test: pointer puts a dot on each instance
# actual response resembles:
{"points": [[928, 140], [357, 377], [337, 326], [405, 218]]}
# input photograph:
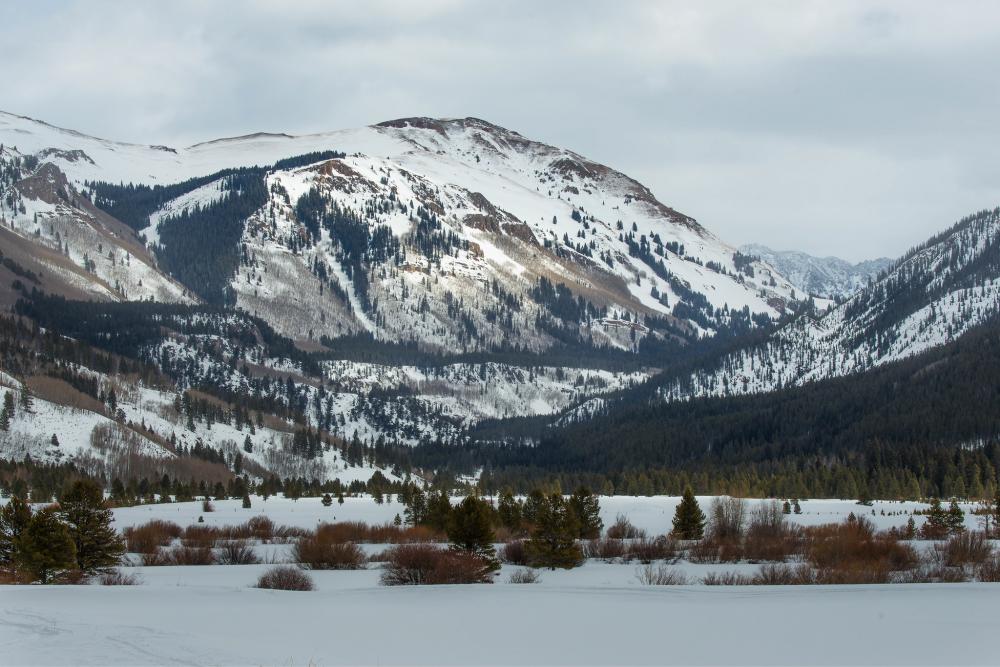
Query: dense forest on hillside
{"points": [[932, 420]]}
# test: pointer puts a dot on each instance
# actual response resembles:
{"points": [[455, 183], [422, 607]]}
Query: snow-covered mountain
{"points": [[454, 234], [928, 297], [826, 277]]}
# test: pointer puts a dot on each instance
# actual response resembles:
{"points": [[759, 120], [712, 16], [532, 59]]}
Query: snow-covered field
{"points": [[210, 616], [596, 614]]}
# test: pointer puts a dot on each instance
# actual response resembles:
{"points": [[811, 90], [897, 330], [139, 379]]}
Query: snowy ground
{"points": [[210, 616], [597, 614], [653, 514]]}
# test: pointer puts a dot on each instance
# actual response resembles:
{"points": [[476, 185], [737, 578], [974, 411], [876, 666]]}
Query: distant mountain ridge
{"points": [[827, 277]]}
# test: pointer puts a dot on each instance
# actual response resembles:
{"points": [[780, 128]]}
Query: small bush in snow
{"points": [[318, 552], [660, 575], [622, 529], [286, 578], [237, 553], [989, 570], [513, 553], [964, 549], [147, 537], [415, 564], [119, 578], [524, 575]]}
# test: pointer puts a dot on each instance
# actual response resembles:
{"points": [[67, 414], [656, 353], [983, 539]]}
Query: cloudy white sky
{"points": [[848, 128]]}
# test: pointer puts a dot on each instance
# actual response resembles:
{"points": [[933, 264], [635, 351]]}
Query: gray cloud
{"points": [[855, 128]]}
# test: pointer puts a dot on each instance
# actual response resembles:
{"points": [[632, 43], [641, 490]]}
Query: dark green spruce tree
{"points": [[689, 520], [470, 529], [98, 545], [586, 512], [553, 538]]}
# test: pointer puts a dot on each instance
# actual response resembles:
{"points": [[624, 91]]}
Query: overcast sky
{"points": [[849, 128]]}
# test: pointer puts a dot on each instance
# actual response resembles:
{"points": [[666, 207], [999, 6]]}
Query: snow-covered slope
{"points": [[930, 296], [460, 222], [827, 277]]}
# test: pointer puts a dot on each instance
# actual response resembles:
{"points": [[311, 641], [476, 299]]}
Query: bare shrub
{"points": [[856, 552], [929, 573], [646, 550], [769, 537], [320, 552], [514, 553], [726, 579], [524, 575], [260, 528], [285, 578], [191, 556], [964, 549], [387, 533], [716, 550], [119, 578], [201, 536], [157, 558], [726, 517], [147, 537], [782, 574], [989, 570], [660, 575], [415, 564], [622, 529], [606, 549], [237, 552]]}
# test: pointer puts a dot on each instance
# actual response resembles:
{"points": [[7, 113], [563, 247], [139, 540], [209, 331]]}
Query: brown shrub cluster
{"points": [[148, 537], [417, 564], [321, 551], [285, 578]]}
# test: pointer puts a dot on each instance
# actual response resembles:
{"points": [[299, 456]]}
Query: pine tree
{"points": [[956, 518], [54, 441], [689, 520], [936, 525], [438, 511], [796, 507], [553, 540], [509, 511], [585, 510], [45, 548], [248, 445], [246, 501], [26, 400], [97, 544], [14, 518], [470, 529], [786, 507], [327, 500], [4, 419]]}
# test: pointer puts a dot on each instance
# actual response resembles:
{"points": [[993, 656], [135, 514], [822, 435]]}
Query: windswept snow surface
{"points": [[194, 616]]}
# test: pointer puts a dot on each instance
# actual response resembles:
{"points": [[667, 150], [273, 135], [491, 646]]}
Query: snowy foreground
{"points": [[596, 614]]}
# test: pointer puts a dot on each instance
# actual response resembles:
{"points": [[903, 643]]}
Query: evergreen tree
{"points": [[689, 520], [553, 539], [585, 511], [936, 525], [509, 511], [26, 400], [796, 507], [327, 500], [246, 501], [438, 511], [14, 518], [786, 507], [956, 518], [470, 529], [45, 548], [97, 545]]}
